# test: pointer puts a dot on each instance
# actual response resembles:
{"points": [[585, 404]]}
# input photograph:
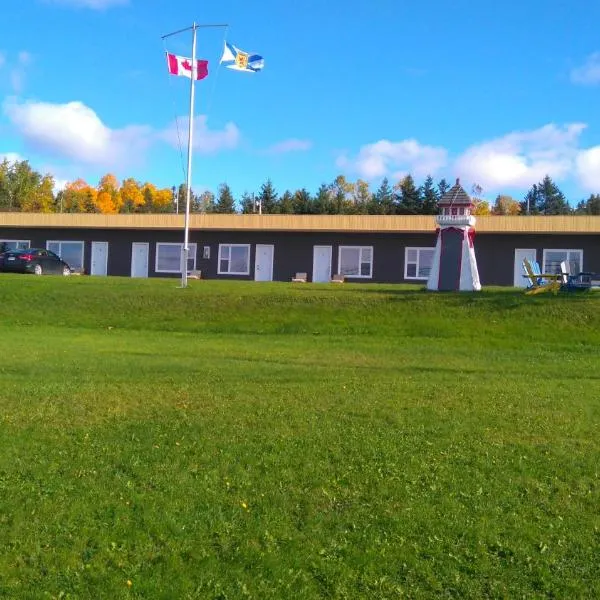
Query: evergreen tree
{"points": [[408, 197], [303, 203], [591, 206], [545, 198], [268, 198], [430, 197], [555, 202], [532, 204], [247, 204], [443, 187], [322, 203], [383, 200], [286, 203], [225, 203]]}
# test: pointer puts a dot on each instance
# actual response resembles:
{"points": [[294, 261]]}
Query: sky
{"points": [[496, 93]]}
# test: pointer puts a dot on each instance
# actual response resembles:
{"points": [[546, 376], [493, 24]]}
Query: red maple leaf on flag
{"points": [[187, 65]]}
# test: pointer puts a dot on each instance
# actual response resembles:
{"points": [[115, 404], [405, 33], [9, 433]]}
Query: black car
{"points": [[38, 261]]}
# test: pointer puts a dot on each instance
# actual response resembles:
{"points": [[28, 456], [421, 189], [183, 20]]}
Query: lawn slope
{"points": [[242, 440]]}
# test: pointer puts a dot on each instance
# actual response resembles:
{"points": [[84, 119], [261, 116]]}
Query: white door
{"points": [[139, 259], [520, 255], [99, 258], [321, 264], [263, 263]]}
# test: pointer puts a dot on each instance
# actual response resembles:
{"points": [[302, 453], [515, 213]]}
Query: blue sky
{"points": [[496, 93]]}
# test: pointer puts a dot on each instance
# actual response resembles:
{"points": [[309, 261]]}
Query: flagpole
{"points": [[194, 74], [186, 235]]}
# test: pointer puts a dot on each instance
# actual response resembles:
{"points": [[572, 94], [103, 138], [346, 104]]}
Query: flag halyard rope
{"points": [[179, 144]]}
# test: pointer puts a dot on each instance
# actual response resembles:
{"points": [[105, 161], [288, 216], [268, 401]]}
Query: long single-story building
{"points": [[363, 248]]}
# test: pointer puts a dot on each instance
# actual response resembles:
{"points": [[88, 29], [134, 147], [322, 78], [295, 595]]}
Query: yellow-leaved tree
{"points": [[132, 197], [108, 199], [506, 205], [41, 198], [149, 192], [163, 200]]}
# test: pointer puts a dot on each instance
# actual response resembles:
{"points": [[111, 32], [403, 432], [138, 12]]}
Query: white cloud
{"points": [[385, 158], [291, 145], [59, 185], [11, 157], [75, 131], [206, 141], [522, 158], [589, 72], [93, 4], [588, 169]]}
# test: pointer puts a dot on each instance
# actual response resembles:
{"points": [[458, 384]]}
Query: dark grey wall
{"points": [[294, 250], [496, 252]]}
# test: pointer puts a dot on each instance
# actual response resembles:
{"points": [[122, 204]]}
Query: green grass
{"points": [[241, 440]]}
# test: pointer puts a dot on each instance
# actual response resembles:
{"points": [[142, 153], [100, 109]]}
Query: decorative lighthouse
{"points": [[454, 265]]}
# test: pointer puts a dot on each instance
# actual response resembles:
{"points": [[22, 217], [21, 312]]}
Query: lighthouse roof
{"points": [[455, 196]]}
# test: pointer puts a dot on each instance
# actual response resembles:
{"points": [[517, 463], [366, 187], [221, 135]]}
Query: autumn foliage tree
{"points": [[79, 196], [108, 200], [132, 197], [22, 188]]}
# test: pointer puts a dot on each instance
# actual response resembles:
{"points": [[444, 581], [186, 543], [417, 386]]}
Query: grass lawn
{"points": [[242, 440]]}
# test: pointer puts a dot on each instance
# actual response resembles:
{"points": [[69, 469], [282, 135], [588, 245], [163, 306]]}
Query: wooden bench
{"points": [[338, 278], [300, 278]]}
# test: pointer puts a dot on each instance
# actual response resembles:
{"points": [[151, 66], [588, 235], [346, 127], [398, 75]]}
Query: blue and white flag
{"points": [[236, 59]]}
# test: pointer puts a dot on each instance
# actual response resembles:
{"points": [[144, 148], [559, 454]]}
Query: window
{"points": [[13, 245], [70, 252], [553, 258], [168, 257], [234, 259], [356, 261], [417, 262]]}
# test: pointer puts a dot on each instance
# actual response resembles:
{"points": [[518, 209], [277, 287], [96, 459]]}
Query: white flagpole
{"points": [[186, 235]]}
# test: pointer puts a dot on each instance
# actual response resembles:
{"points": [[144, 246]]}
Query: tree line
{"points": [[23, 189]]}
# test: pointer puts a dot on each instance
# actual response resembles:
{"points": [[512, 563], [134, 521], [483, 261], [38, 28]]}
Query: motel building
{"points": [[362, 248]]}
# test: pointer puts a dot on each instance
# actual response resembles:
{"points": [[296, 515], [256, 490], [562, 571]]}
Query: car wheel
{"points": [[66, 271], [38, 269]]}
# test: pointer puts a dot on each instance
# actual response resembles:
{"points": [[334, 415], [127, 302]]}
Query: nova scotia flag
{"points": [[236, 59]]}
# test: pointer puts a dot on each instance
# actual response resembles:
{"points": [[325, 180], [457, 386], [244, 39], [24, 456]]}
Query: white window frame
{"points": [[360, 261], [28, 242], [192, 247], [220, 258], [418, 249], [59, 253], [567, 251]]}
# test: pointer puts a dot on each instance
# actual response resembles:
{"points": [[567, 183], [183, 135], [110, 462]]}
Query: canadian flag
{"points": [[180, 65]]}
